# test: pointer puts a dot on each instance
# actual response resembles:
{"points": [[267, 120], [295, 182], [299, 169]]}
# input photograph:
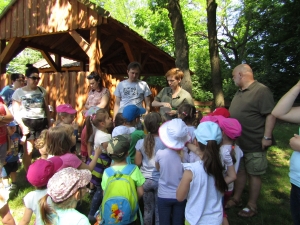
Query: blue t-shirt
{"points": [[13, 157], [295, 168], [6, 95]]}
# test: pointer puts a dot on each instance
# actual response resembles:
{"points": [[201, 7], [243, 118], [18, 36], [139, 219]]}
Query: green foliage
{"points": [[159, 81], [17, 65], [3, 4], [199, 93]]}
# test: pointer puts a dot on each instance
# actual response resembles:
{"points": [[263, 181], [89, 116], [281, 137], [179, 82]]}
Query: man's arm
{"points": [[269, 126], [116, 107], [147, 103]]}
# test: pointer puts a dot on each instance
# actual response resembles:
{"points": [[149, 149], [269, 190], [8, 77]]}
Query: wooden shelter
{"points": [[79, 30]]}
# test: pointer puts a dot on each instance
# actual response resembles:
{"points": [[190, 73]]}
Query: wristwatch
{"points": [[267, 138]]}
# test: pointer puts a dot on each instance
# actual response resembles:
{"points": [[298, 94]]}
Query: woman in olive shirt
{"points": [[170, 98]]}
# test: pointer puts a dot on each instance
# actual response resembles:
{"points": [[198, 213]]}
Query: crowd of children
{"points": [[180, 171]]}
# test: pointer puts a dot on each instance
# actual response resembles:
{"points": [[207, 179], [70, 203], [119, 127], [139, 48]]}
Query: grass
{"points": [[273, 203]]}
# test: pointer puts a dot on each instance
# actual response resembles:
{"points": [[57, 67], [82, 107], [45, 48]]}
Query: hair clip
{"points": [[184, 113]]}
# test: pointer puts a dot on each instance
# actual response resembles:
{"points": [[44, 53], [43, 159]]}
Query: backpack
{"points": [[120, 201]]}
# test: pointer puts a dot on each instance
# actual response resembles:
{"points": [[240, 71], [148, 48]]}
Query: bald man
{"points": [[251, 106]]}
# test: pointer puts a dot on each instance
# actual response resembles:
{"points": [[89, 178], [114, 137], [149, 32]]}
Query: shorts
{"points": [[3, 150], [254, 163], [35, 127], [9, 167]]}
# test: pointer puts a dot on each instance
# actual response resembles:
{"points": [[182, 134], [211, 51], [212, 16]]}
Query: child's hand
{"points": [[295, 142], [8, 152], [97, 150], [75, 125]]}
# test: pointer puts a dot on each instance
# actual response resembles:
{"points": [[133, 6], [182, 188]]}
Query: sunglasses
{"points": [[20, 80], [35, 78]]}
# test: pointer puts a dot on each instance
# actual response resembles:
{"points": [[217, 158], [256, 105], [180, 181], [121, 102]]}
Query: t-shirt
{"points": [[132, 93], [69, 217], [3, 129], [31, 201], [14, 146], [165, 95], [250, 107], [148, 165], [204, 201], [32, 102], [136, 176], [135, 136], [238, 154], [294, 173], [101, 137], [171, 172], [70, 160], [83, 145], [94, 97]]}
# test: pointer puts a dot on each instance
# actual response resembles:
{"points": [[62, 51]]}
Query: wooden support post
{"points": [[50, 61], [95, 50], [9, 50], [2, 65]]}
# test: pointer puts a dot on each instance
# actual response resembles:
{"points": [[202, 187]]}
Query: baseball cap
{"points": [[131, 112], [42, 170], [66, 108], [230, 126], [174, 134], [12, 124], [221, 111], [66, 182], [118, 146], [208, 131]]}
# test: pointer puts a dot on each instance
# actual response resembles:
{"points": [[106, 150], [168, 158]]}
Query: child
{"points": [[66, 115], [174, 134], [132, 115], [12, 158], [101, 121], [66, 188], [59, 141], [144, 158], [120, 126], [118, 151], [202, 182], [6, 217], [187, 113], [38, 176], [40, 144]]}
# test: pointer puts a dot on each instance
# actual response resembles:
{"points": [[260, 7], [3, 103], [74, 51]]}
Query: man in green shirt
{"points": [[251, 106]]}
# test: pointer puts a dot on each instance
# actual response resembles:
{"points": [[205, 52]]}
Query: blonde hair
{"points": [[40, 142]]}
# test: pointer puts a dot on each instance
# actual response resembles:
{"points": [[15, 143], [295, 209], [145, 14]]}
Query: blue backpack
{"points": [[120, 201]]}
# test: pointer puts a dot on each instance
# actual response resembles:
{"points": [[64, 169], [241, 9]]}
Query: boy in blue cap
{"points": [[131, 114]]}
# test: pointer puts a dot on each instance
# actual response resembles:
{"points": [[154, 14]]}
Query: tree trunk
{"points": [[214, 54], [181, 43]]}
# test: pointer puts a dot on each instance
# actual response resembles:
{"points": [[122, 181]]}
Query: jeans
{"points": [[150, 202], [171, 211], [295, 204], [96, 201]]}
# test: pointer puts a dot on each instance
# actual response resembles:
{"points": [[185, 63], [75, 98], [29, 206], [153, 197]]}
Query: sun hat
{"points": [[12, 124], [174, 134], [42, 170], [118, 146], [66, 108], [230, 126], [120, 130], [208, 131], [131, 112], [66, 182], [221, 111], [91, 111]]}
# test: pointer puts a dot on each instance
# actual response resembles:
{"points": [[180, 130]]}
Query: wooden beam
{"points": [[84, 45], [59, 41], [107, 43], [50, 61], [7, 53], [2, 45], [95, 50], [58, 61], [129, 52], [107, 58]]}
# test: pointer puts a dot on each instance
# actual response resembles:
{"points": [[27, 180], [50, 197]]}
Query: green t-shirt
{"points": [[165, 95], [135, 136], [251, 107]]}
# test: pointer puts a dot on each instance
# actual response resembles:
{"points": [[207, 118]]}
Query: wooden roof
{"points": [[70, 29]]}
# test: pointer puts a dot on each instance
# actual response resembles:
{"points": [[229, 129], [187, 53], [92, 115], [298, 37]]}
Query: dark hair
{"points": [[152, 123], [97, 78], [134, 65], [176, 72], [189, 115], [212, 163], [15, 76], [31, 69], [119, 120]]}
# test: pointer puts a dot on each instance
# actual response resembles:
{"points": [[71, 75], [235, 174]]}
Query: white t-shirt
{"points": [[31, 201], [132, 93], [238, 155], [101, 137], [204, 201], [32, 102]]}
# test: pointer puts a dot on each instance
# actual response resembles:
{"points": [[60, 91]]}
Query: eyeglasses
{"points": [[20, 80], [35, 78]]}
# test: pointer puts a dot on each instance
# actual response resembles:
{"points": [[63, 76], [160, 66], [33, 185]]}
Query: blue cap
{"points": [[12, 124], [208, 131], [131, 112]]}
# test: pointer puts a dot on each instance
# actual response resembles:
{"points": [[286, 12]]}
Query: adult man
{"points": [[252, 106], [132, 91]]}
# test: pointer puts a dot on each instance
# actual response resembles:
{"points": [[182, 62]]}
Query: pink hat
{"points": [[42, 170], [66, 108], [230, 126], [66, 182], [209, 118], [221, 111]]}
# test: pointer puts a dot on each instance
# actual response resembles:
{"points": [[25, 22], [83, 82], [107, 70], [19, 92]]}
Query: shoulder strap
{"points": [[40, 89], [128, 169], [110, 171]]}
